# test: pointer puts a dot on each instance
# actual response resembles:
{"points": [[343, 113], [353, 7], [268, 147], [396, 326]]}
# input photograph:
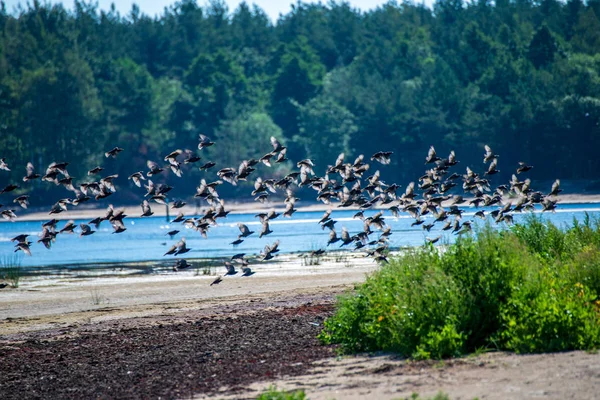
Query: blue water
{"points": [[146, 239]]}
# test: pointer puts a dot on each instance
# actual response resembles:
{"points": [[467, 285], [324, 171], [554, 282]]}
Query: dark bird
{"points": [[555, 188], [237, 242], [8, 215], [328, 224], [523, 167], [247, 271], [230, 268], [20, 238], [239, 256], [382, 156], [218, 280], [191, 158], [181, 264], [244, 170], [265, 229], [9, 188], [175, 168], [4, 165], [22, 200], [137, 178], [332, 237], [59, 166], [178, 204], [266, 159], [68, 228], [31, 175], [178, 248], [159, 198], [277, 146], [154, 168], [281, 157], [113, 153], [171, 158], [489, 154], [181, 247], [289, 210], [346, 239], [95, 170], [431, 156], [180, 217], [24, 247], [96, 221], [245, 231], [118, 226], [492, 168], [325, 216], [50, 224], [146, 210], [57, 208], [207, 165], [85, 230], [204, 142], [172, 233]]}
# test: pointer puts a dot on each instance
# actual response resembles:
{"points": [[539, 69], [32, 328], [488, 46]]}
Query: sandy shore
{"points": [[131, 294]]}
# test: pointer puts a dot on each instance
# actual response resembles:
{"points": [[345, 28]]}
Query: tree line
{"points": [[522, 76]]}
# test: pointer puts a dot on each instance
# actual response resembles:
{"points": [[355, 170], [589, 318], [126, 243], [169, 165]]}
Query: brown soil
{"points": [[167, 356]]}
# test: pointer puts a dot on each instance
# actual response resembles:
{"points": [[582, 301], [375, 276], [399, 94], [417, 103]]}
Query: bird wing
{"points": [[243, 228], [152, 165], [275, 143], [431, 153], [85, 228]]}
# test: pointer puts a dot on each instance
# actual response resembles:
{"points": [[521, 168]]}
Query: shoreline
{"points": [[234, 208]]}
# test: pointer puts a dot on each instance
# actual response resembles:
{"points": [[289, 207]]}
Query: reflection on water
{"points": [[146, 238]]}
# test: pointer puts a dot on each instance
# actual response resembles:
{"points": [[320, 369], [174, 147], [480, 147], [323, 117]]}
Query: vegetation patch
{"points": [[10, 269], [533, 288], [273, 394]]}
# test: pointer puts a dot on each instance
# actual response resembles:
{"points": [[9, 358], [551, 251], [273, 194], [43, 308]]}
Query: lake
{"points": [[145, 238]]}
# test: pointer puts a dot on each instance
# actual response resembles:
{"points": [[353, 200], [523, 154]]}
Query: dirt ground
{"points": [[181, 338]]}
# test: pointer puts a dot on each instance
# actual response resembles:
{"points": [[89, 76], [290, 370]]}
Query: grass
{"points": [[309, 259], [273, 394], [10, 269], [204, 267], [97, 298], [533, 288], [438, 396]]}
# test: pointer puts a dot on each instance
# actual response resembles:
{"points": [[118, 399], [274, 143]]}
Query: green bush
{"points": [[533, 288], [273, 394], [410, 306]]}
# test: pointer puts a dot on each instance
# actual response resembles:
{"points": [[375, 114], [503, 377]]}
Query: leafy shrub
{"points": [[410, 306], [273, 394], [533, 288]]}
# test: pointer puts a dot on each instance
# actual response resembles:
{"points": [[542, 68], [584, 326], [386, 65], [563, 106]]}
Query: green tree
{"points": [[543, 47], [326, 129], [586, 33]]}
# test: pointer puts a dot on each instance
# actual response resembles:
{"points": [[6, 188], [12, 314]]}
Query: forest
{"points": [[522, 76]]}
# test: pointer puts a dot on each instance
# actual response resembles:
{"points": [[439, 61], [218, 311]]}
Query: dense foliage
{"points": [[324, 78], [534, 288], [273, 394]]}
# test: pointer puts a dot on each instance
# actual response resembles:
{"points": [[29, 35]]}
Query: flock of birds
{"points": [[344, 183]]}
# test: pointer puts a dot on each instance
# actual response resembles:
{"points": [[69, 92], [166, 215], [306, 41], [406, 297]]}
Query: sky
{"points": [[155, 7]]}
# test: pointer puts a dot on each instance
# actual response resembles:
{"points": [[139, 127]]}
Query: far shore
{"points": [[233, 206]]}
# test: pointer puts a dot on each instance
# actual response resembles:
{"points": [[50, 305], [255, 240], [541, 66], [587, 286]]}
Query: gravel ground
{"points": [[216, 350]]}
